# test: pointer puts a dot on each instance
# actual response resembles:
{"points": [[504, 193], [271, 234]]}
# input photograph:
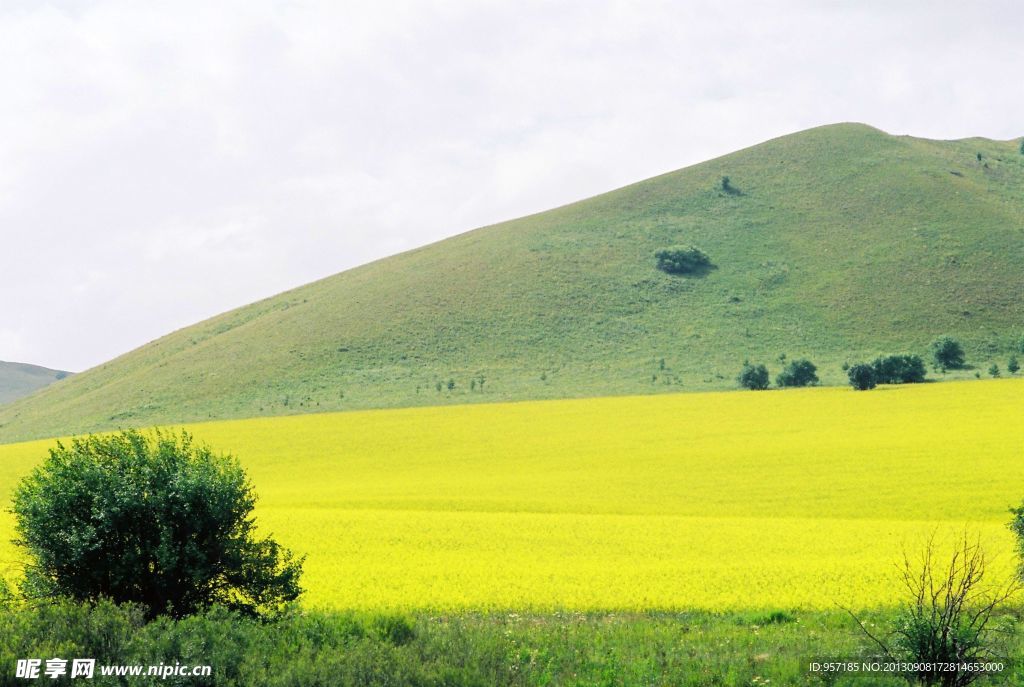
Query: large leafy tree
{"points": [[153, 519]]}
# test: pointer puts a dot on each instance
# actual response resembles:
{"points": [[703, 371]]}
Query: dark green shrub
{"points": [[947, 353], [776, 618], [395, 629], [1012, 366], [862, 377], [899, 369], [153, 520], [993, 370], [798, 373], [754, 377], [682, 260], [727, 187]]}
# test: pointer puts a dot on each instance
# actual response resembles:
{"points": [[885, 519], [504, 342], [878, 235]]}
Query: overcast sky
{"points": [[163, 162]]}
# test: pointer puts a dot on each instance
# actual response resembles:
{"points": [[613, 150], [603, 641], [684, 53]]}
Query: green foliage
{"points": [[951, 617], [394, 629], [1012, 365], [154, 520], [798, 373], [862, 377], [947, 353], [727, 187], [343, 649], [899, 369], [993, 370], [753, 377], [682, 260]]}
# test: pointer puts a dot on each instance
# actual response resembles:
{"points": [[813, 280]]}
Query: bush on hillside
{"points": [[153, 520], [753, 377], [1012, 366], [862, 377], [798, 373], [947, 354], [682, 260], [899, 369], [727, 187]]}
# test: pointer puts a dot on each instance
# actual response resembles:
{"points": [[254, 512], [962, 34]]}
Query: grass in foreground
{"points": [[544, 650], [797, 499]]}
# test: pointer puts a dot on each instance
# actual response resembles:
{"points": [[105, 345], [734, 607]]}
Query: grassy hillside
{"points": [[21, 379], [837, 243], [733, 500]]}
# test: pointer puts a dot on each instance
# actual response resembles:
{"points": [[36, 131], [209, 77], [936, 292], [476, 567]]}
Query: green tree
{"points": [[1012, 366], [754, 377], [947, 353], [862, 377], [993, 370], [798, 373], [152, 519]]}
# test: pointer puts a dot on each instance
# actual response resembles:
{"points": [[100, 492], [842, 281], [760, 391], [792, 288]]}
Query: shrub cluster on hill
{"points": [[899, 369], [753, 377], [682, 260], [798, 373]]}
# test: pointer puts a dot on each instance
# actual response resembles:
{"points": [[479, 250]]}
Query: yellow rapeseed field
{"points": [[802, 498]]}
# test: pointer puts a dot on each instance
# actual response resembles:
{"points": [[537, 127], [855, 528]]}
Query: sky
{"points": [[161, 163]]}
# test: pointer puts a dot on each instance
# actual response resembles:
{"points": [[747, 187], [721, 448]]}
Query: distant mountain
{"points": [[837, 243], [21, 379]]}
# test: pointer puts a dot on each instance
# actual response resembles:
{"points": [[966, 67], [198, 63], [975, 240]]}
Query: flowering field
{"points": [[802, 498]]}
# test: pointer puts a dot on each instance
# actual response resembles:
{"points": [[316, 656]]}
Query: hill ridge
{"points": [[835, 243]]}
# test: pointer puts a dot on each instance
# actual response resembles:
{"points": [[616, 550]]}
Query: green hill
{"points": [[835, 243], [21, 379]]}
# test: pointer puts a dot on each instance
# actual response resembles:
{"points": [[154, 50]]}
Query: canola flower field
{"points": [[732, 500]]}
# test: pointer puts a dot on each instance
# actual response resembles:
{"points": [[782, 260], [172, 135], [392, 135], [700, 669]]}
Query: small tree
{"points": [[993, 370], [862, 377], [798, 373], [154, 520], [1012, 366], [947, 353], [682, 260], [753, 377], [947, 625]]}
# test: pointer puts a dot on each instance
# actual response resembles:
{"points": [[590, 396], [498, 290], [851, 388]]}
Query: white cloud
{"points": [[162, 163]]}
